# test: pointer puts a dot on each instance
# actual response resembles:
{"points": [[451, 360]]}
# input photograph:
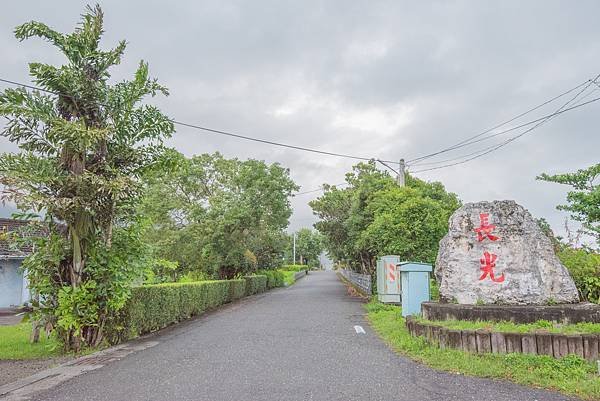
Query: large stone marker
{"points": [[495, 252]]}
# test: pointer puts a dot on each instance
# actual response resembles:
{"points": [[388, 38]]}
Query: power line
{"points": [[216, 131], [510, 130], [470, 141], [321, 188], [492, 148], [385, 164]]}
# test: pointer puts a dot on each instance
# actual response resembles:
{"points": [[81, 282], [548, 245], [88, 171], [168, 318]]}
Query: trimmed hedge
{"points": [[152, 307], [255, 284], [295, 268], [275, 278]]}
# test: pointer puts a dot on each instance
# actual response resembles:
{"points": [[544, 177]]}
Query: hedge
{"points": [[295, 268], [275, 278], [255, 284], [152, 307]]}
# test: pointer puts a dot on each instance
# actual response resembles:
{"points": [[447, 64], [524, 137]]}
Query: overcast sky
{"points": [[384, 79]]}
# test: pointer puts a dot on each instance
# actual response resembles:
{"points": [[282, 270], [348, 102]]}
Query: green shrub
{"points": [[584, 266], [237, 289], [152, 307], [275, 278], [255, 284], [295, 268]]}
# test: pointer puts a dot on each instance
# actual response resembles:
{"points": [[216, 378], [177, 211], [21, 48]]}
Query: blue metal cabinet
{"points": [[415, 286], [388, 279]]}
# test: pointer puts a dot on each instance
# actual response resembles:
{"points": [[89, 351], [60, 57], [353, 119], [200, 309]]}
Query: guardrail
{"points": [[362, 281]]}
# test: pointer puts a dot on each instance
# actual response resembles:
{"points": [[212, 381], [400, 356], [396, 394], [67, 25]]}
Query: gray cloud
{"points": [[383, 79]]}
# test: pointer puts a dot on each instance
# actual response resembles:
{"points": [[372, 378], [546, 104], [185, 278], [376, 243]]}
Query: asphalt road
{"points": [[297, 343]]}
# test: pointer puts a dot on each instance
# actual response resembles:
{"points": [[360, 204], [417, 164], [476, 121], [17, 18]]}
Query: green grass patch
{"points": [[14, 344], [570, 375], [541, 326]]}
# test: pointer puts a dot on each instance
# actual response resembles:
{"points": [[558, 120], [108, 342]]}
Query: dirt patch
{"points": [[11, 371]]}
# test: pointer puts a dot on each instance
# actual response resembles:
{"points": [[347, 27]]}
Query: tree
{"points": [[584, 200], [406, 224], [84, 146], [219, 216], [344, 215], [372, 216], [309, 246]]}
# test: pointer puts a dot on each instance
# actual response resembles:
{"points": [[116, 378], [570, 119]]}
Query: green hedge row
{"points": [[275, 278], [255, 284], [152, 307], [295, 268]]}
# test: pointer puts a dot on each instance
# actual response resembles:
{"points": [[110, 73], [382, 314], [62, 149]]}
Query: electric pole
{"points": [[400, 178], [294, 248]]}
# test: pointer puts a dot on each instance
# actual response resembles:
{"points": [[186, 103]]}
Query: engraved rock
{"points": [[495, 252]]}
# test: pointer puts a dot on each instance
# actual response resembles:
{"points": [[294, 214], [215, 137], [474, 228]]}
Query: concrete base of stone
{"points": [[565, 314]]}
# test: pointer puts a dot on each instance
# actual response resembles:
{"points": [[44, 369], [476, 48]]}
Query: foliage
{"points": [[583, 202], [218, 216], [14, 343], [275, 278], [309, 246], [584, 266], [570, 375], [289, 277], [293, 268], [372, 216], [152, 307], [84, 146], [255, 284]]}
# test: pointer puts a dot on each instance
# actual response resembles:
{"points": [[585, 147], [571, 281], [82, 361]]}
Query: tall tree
{"points": [[309, 246], [372, 216], [84, 146], [219, 216]]}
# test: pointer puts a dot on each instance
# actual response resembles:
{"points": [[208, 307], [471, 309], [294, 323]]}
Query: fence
{"points": [[362, 281], [482, 341]]}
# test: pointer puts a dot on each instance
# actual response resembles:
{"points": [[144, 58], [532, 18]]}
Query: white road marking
{"points": [[359, 330]]}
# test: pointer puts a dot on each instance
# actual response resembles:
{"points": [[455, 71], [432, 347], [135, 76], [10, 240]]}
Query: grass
{"points": [[570, 375], [14, 344], [543, 326]]}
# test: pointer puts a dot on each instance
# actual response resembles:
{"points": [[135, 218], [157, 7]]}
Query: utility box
{"points": [[389, 289], [415, 286]]}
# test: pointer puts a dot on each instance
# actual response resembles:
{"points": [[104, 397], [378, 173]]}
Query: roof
{"points": [[22, 228]]}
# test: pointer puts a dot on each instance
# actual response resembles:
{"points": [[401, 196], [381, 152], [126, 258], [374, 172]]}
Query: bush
{"points": [[584, 266], [255, 284], [295, 268], [237, 289], [275, 278], [152, 307]]}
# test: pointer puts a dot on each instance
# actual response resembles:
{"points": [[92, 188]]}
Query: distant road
{"points": [[300, 343]]}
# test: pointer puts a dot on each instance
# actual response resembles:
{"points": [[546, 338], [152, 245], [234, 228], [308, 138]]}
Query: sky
{"points": [[377, 79]]}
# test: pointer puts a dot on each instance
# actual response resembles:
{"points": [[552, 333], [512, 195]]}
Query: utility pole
{"points": [[400, 178], [294, 249]]}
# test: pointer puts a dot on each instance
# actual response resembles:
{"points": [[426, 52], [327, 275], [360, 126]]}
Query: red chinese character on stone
{"points": [[485, 229], [488, 262]]}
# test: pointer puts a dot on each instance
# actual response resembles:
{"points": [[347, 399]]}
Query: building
{"points": [[14, 289]]}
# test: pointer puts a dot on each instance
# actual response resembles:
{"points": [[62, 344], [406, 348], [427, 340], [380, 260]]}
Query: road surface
{"points": [[297, 343]]}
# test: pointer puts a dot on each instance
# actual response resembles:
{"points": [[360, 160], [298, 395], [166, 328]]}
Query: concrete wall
{"points": [[13, 287]]}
